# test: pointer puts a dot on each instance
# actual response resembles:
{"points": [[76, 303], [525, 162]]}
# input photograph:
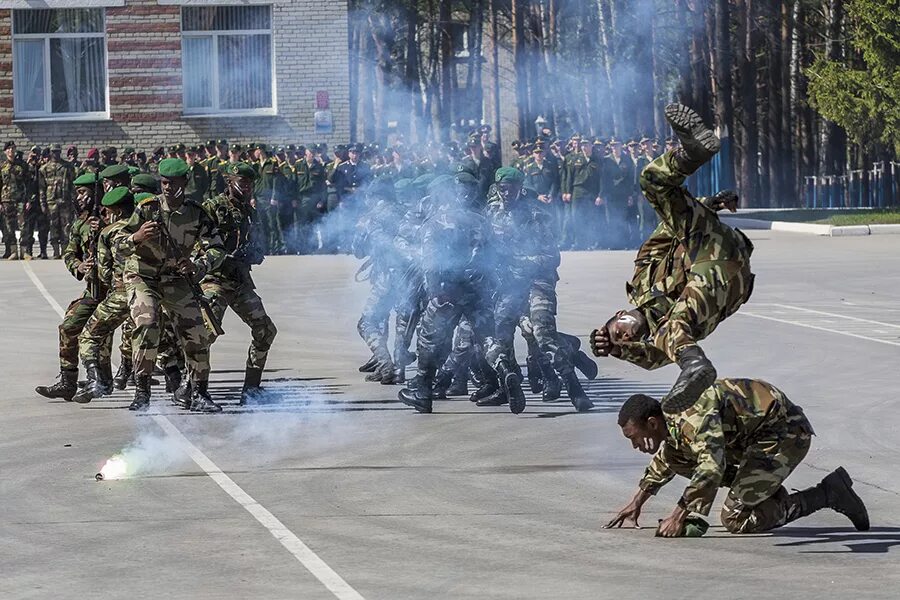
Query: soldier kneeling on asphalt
{"points": [[743, 434]]}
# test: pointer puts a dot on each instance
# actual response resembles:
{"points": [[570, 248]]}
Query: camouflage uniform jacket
{"points": [[55, 183], [78, 249], [234, 221], [110, 260], [189, 226], [375, 233], [456, 249], [525, 246], [710, 438], [12, 181]]}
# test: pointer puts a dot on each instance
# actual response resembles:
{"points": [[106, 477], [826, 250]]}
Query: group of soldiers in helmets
{"points": [[463, 266], [464, 253]]}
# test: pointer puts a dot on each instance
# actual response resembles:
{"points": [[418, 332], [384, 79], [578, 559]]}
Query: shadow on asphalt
{"points": [[878, 540]]}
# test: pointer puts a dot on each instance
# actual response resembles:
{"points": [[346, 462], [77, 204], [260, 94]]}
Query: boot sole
{"points": [[514, 393], [845, 479], [674, 404], [587, 366], [689, 127], [582, 405], [414, 404]]}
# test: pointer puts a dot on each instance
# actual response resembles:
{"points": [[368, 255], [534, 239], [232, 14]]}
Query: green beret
{"points": [[466, 178], [132, 171], [114, 171], [441, 182], [509, 175], [402, 185], [240, 169], [86, 179], [144, 180], [128, 150], [116, 195], [423, 180], [142, 197], [173, 167]]}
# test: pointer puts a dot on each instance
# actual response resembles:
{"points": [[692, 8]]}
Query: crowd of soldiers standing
{"points": [[590, 184]]}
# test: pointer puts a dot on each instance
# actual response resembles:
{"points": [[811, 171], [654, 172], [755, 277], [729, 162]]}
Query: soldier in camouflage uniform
{"points": [[230, 284], [32, 215], [528, 257], [113, 310], [457, 263], [55, 188], [743, 434], [12, 198], [157, 265], [674, 310], [81, 264]]}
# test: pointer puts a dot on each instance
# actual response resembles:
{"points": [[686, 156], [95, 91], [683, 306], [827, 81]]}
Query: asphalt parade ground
{"points": [[342, 492]]}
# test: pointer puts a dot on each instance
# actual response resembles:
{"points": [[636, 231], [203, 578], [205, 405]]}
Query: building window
{"points": [[59, 61], [227, 59]]}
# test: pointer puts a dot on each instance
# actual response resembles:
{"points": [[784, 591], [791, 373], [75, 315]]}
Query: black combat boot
{"points": [[141, 400], [579, 399], [585, 364], [65, 388], [95, 386], [14, 255], [834, 492], [369, 365], [511, 382], [56, 253], [442, 382], [492, 395], [27, 252], [552, 389], [459, 386], [420, 394], [43, 254], [182, 397], [534, 373], [402, 359], [698, 142], [201, 400], [106, 377], [697, 374], [8, 252], [252, 392], [173, 379], [123, 374]]}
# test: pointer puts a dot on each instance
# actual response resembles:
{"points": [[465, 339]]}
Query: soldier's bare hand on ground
{"points": [[630, 514], [673, 525], [601, 344], [148, 230], [85, 266]]}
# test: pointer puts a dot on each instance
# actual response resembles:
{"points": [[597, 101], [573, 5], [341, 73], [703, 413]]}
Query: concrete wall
{"points": [[145, 81]]}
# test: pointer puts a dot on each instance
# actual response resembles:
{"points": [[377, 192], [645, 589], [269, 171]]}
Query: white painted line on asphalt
{"points": [[309, 559], [808, 326], [828, 314]]}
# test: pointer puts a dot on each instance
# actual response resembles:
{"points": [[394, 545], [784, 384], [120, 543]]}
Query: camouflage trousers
{"points": [[537, 299], [112, 312], [442, 314], [30, 222], [145, 299], [13, 218], [463, 349], [390, 290], [169, 354], [54, 223], [247, 305], [77, 316]]}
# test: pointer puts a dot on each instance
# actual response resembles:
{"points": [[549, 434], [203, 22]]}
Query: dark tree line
{"points": [[798, 87]]}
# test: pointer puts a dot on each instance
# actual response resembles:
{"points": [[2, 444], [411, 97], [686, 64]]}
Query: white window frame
{"points": [[47, 114], [214, 110]]}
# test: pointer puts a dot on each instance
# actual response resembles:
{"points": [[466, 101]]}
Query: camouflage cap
{"points": [[240, 169], [509, 175], [144, 180], [88, 179], [173, 167], [56, 148], [114, 171], [117, 195]]}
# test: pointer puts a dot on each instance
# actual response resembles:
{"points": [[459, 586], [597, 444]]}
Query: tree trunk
{"points": [[836, 145], [446, 90], [722, 85], [749, 142]]}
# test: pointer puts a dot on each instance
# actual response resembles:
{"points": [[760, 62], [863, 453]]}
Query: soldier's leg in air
{"points": [[112, 312], [580, 360], [435, 337], [74, 320], [184, 311], [372, 327], [247, 305], [542, 310]]}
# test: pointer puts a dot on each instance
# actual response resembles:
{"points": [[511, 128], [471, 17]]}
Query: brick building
{"points": [[145, 73]]}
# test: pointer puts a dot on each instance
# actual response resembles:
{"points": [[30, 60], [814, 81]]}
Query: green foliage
{"points": [[864, 99]]}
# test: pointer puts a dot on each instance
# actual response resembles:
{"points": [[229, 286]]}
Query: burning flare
{"points": [[115, 468]]}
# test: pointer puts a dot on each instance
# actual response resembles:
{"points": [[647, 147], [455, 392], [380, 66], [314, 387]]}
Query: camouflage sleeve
{"points": [[42, 186], [645, 355], [661, 185], [212, 250], [659, 472], [701, 428], [105, 257], [127, 246], [72, 254]]}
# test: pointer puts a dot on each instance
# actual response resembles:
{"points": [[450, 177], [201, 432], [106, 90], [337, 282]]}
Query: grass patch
{"points": [[869, 217]]}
